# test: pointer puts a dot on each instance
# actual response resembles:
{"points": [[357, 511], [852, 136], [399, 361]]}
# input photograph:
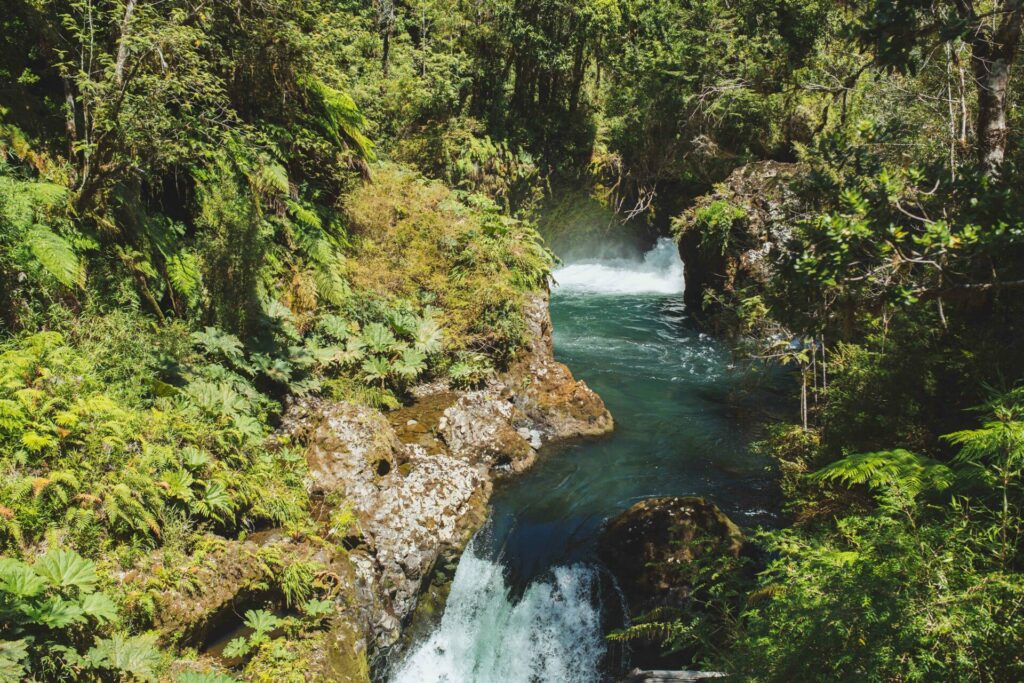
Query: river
{"points": [[529, 601]]}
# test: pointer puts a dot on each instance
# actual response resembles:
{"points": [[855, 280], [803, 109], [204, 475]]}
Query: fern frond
{"points": [[899, 469], [339, 117], [185, 276], [56, 256]]}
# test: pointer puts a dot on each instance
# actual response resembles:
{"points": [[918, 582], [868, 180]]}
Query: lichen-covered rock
{"points": [[480, 428], [191, 612], [556, 405], [411, 506], [644, 546], [434, 508], [351, 449], [344, 655]]}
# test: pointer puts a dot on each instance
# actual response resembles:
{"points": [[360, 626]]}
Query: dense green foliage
{"points": [[209, 209]]}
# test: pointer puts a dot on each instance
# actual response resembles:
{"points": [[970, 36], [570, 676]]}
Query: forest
{"points": [[214, 210]]}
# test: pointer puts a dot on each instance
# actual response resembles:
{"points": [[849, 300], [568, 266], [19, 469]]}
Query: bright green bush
{"points": [[55, 625]]}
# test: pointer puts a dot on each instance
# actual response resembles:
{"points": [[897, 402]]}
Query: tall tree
{"points": [[901, 30]]}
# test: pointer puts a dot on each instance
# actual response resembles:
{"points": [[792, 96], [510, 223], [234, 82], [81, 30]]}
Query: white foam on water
{"points": [[660, 272], [553, 633]]}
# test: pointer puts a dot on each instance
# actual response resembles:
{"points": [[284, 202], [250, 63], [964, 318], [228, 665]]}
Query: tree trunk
{"points": [[122, 47], [993, 79], [992, 55], [70, 117]]}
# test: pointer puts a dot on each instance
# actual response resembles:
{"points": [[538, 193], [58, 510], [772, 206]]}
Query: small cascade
{"points": [[660, 272]]}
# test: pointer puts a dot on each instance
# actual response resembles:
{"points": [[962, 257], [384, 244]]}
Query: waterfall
{"points": [[552, 633], [660, 272]]}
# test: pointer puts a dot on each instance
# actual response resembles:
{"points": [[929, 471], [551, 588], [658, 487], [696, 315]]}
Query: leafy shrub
{"points": [[50, 612]]}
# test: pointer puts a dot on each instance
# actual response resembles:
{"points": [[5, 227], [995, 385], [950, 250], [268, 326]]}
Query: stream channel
{"points": [[529, 601]]}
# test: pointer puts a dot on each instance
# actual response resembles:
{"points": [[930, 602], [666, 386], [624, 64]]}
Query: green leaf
{"points": [[183, 270], [215, 502], [54, 613], [56, 256], [136, 655], [410, 364], [378, 338], [100, 607], [318, 608], [898, 469], [12, 654], [376, 369], [18, 579], [428, 337], [261, 621], [273, 178], [237, 648], [67, 569]]}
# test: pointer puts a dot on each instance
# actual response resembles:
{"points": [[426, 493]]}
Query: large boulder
{"points": [[645, 546], [480, 428], [410, 505]]}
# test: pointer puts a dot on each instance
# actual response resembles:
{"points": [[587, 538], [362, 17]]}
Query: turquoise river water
{"points": [[529, 601]]}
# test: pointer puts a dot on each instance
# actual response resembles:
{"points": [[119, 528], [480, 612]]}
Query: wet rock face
{"points": [[646, 544]]}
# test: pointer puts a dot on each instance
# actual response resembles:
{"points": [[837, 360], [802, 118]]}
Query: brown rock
{"points": [[646, 544], [555, 404]]}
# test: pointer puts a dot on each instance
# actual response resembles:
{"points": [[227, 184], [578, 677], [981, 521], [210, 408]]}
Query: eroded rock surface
{"points": [[410, 505], [555, 405]]}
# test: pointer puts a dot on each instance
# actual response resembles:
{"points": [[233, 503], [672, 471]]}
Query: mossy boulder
{"points": [[645, 546], [732, 238]]}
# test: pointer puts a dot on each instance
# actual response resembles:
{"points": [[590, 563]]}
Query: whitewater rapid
{"points": [[660, 272], [552, 633]]}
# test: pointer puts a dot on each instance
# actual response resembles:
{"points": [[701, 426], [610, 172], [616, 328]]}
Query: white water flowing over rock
{"points": [[660, 272], [553, 633]]}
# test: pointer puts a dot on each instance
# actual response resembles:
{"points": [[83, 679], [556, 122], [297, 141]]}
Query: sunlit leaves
{"points": [[67, 569]]}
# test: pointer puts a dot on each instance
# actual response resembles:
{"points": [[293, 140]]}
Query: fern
{"points": [[56, 256], [13, 654], [272, 178], [897, 469], [339, 117], [183, 271]]}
